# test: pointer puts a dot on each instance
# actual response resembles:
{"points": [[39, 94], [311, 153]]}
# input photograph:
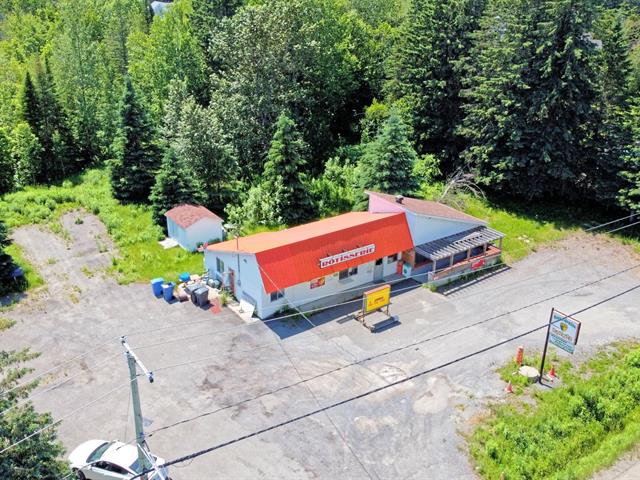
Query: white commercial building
{"points": [[334, 259]]}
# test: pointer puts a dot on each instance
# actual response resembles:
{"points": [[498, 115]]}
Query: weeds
{"points": [[571, 431], [130, 226]]}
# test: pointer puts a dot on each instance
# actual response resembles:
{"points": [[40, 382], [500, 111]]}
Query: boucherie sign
{"points": [[346, 256]]}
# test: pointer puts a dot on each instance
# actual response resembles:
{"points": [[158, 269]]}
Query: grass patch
{"points": [[509, 371], [525, 230], [569, 432], [130, 226], [6, 323], [31, 276]]}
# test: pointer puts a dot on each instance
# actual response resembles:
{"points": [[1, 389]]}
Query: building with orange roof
{"points": [[335, 258]]}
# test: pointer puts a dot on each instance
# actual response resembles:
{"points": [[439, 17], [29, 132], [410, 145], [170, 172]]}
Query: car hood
{"points": [[78, 457]]}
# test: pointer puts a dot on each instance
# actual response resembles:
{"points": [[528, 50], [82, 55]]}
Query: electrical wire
{"points": [[54, 387], [266, 321], [70, 414], [414, 376], [371, 357]]}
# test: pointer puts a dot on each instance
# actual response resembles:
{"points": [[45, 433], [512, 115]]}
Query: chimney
{"points": [[399, 198]]}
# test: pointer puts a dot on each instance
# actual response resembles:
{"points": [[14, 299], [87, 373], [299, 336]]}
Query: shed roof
{"points": [[459, 242], [428, 208], [292, 256], [186, 215]]}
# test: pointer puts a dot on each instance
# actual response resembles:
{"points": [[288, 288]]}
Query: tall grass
{"points": [[571, 431], [130, 226]]}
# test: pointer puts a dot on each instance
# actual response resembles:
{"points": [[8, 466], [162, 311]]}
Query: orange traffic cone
{"points": [[552, 372], [509, 387]]}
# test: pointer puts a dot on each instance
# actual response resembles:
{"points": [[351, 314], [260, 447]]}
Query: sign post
{"points": [[563, 332]]}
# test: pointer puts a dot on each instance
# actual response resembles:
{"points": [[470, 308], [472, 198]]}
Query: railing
{"points": [[473, 263]]}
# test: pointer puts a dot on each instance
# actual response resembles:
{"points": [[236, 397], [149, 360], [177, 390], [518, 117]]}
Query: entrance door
{"points": [[378, 270]]}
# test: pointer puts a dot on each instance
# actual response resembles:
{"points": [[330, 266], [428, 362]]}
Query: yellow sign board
{"points": [[377, 298]]}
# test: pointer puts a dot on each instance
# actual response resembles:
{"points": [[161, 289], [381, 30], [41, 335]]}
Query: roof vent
{"points": [[399, 198]]}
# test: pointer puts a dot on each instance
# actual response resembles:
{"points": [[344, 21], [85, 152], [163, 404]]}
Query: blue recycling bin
{"points": [[156, 286], [185, 277], [167, 291]]}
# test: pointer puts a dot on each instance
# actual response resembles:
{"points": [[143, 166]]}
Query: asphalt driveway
{"points": [[204, 363]]}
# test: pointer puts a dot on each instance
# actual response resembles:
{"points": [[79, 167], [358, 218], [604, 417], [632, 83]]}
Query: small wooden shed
{"points": [[190, 225]]}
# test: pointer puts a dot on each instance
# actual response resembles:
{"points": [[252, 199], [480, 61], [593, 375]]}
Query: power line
{"points": [[57, 367], [182, 325], [384, 387], [373, 357], [59, 420], [54, 387]]}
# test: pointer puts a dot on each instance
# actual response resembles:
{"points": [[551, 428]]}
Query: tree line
{"points": [[277, 112]]}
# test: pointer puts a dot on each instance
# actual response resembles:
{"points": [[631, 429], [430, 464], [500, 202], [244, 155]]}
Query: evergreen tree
{"points": [[133, 171], [7, 170], [629, 196], [611, 132], [59, 155], [388, 162], [283, 172], [425, 75], [531, 98], [7, 265], [175, 184], [37, 457]]}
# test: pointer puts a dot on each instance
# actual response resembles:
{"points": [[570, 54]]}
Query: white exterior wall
{"points": [[423, 228], [250, 283], [426, 229], [303, 294], [203, 230]]}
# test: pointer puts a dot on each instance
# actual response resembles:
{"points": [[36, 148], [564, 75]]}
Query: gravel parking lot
{"points": [[205, 362]]}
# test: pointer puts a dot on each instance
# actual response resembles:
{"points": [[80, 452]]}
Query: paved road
{"points": [[411, 431]]}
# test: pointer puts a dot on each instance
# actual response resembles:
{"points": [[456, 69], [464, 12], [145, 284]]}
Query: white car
{"points": [[103, 460]]}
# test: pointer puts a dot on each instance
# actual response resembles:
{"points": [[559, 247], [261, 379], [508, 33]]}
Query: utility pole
{"points": [[133, 361]]}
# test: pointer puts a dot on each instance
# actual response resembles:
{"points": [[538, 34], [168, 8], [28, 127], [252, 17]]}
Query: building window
{"points": [[219, 265], [379, 261], [343, 274], [392, 258], [275, 296]]}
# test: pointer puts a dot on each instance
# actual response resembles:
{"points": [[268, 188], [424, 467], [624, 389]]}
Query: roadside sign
{"points": [[377, 298], [564, 331]]}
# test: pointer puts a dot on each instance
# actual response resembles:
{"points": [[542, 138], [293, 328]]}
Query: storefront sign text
{"points": [[346, 256]]}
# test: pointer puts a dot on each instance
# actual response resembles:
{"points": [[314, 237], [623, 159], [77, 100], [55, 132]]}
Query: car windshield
{"points": [[97, 453]]}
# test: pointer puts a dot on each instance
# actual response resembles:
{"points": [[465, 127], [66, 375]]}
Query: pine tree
{"points": [[31, 114], [175, 184], [7, 169], [283, 172], [531, 99], [133, 172], [7, 265], [612, 133], [425, 73], [629, 196], [59, 155], [388, 161]]}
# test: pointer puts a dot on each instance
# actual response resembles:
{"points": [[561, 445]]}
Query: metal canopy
{"points": [[457, 243]]}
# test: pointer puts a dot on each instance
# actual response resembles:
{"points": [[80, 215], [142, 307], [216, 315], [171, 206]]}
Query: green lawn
{"points": [[524, 230], [140, 257], [569, 432]]}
